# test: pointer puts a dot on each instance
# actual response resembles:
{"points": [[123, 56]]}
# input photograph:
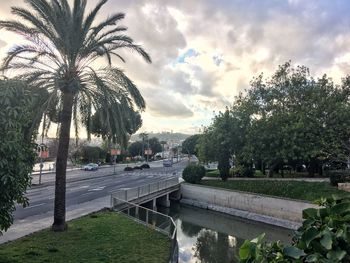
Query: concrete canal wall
{"points": [[276, 211]]}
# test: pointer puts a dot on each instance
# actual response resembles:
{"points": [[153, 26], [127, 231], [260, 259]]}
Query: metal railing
{"points": [[152, 219], [130, 194]]}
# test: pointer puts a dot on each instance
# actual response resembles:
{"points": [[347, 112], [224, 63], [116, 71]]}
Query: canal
{"points": [[210, 237]]}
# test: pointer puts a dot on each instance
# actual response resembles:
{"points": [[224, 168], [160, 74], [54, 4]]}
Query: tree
{"points": [[289, 119], [189, 145], [116, 130], [17, 148], [155, 145], [222, 126], [64, 43], [144, 137], [136, 148]]}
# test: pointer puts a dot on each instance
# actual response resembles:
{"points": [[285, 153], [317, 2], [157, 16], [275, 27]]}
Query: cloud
{"points": [[205, 52], [2, 43], [162, 103]]}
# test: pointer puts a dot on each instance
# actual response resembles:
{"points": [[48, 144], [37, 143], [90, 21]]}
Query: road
{"points": [[84, 186]]}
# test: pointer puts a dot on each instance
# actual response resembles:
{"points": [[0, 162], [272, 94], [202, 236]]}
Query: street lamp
{"points": [[43, 153]]}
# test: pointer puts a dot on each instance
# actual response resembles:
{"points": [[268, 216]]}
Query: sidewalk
{"points": [[33, 224]]}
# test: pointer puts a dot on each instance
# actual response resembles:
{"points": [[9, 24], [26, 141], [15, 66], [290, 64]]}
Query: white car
{"points": [[91, 167]]}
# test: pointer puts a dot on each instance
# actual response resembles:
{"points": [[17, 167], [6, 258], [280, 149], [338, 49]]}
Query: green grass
{"points": [[212, 173], [101, 237], [259, 174], [309, 191]]}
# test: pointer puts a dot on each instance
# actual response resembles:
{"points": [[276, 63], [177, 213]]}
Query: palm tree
{"points": [[144, 137], [64, 44]]}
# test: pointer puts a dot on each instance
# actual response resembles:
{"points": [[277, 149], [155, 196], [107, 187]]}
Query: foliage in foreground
{"points": [[17, 149], [100, 237], [324, 237], [193, 173]]}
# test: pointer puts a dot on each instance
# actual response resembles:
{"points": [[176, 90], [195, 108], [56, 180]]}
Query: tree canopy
{"points": [[291, 118], [189, 145], [17, 148]]}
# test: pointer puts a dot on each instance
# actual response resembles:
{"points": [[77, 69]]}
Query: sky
{"points": [[205, 52]]}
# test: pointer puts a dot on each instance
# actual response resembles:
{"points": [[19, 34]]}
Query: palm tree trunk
{"points": [[59, 223]]}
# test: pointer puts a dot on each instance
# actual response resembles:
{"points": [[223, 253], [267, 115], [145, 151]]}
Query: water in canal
{"points": [[209, 237]]}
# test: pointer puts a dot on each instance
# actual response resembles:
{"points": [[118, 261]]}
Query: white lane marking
{"points": [[97, 188], [86, 194], [32, 206]]}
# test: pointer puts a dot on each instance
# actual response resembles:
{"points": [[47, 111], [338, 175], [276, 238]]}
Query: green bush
{"points": [[324, 237], [243, 171], [193, 173], [338, 176]]}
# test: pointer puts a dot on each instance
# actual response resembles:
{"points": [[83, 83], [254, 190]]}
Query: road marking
{"points": [[32, 206], [97, 189]]}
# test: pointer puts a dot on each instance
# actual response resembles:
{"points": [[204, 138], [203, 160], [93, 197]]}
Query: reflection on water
{"points": [[209, 237]]}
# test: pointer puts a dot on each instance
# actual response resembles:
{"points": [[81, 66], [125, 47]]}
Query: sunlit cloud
{"points": [[205, 52]]}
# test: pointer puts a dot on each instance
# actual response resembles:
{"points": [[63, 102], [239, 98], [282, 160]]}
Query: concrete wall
{"points": [[226, 200]]}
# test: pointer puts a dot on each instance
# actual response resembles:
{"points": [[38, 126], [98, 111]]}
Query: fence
{"points": [[144, 190]]}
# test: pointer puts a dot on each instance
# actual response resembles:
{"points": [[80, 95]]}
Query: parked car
{"points": [[91, 167], [167, 163], [145, 166]]}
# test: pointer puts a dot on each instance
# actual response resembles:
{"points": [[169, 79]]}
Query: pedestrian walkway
{"points": [[32, 224]]}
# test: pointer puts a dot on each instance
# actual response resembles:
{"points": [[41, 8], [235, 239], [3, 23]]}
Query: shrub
{"points": [[193, 173], [243, 171], [338, 176], [145, 166], [128, 169], [323, 237], [137, 168]]}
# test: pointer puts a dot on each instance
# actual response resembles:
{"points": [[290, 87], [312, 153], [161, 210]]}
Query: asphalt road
{"points": [[84, 186]]}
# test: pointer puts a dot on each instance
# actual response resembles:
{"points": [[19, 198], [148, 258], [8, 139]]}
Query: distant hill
{"points": [[169, 137]]}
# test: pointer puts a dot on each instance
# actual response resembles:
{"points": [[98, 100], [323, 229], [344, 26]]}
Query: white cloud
{"points": [[233, 41]]}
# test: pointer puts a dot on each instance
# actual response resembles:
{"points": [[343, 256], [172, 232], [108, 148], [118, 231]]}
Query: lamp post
{"points": [[41, 151]]}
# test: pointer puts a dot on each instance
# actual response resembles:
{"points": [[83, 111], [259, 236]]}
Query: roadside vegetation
{"points": [[300, 190], [271, 127], [100, 237]]}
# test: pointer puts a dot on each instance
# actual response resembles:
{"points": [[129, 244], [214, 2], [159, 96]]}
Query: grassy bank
{"points": [[102, 237], [309, 191]]}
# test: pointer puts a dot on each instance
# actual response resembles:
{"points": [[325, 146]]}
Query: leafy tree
{"points": [[116, 130], [155, 145], [290, 119], [294, 117], [136, 148], [17, 148], [222, 125], [64, 42], [189, 145], [92, 153], [207, 146]]}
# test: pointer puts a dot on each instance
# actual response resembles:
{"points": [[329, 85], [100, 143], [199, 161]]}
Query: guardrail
{"points": [[130, 194], [152, 219]]}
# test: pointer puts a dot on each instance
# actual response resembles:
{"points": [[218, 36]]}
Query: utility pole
{"points": [[147, 148]]}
